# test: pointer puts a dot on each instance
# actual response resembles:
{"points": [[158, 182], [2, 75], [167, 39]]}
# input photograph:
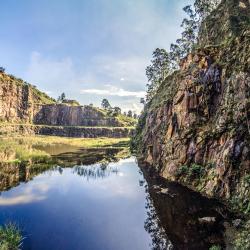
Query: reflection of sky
{"points": [[68, 212], [24, 194]]}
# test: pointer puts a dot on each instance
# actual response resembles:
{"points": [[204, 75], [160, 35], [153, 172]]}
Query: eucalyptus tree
{"points": [[105, 104], [157, 71]]}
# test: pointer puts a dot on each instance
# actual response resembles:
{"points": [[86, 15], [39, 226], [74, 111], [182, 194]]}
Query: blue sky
{"points": [[88, 49]]}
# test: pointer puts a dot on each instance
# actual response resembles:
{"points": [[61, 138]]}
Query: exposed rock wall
{"points": [[18, 103], [64, 115], [22, 103], [196, 128]]}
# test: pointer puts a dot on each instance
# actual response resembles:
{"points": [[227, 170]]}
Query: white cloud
{"points": [[113, 91]]}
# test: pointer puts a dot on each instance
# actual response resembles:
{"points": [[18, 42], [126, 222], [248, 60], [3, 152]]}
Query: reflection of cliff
{"points": [[190, 220], [12, 174]]}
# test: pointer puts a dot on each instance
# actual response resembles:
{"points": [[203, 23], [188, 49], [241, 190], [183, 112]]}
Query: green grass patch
{"points": [[10, 237], [24, 149]]}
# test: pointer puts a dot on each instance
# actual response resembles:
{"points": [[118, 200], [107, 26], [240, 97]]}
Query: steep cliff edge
{"points": [[26, 110], [20, 101], [196, 128]]}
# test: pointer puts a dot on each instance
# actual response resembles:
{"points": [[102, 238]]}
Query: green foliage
{"points": [[126, 121], [42, 97], [71, 102], [10, 237], [196, 170], [105, 104], [183, 170], [129, 114], [61, 98], [136, 140], [242, 241], [215, 247], [157, 71]]}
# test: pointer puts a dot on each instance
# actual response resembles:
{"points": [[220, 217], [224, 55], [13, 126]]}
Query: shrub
{"points": [[215, 247], [183, 170], [10, 237], [196, 170]]}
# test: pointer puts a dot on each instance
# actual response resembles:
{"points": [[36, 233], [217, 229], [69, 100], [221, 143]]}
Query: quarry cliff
{"points": [[195, 130], [26, 110]]}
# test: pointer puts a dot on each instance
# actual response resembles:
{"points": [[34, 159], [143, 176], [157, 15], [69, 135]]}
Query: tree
{"points": [[142, 101], [185, 44], [157, 71], [2, 70], [105, 104], [135, 116], [117, 110], [129, 113], [204, 7], [61, 98]]}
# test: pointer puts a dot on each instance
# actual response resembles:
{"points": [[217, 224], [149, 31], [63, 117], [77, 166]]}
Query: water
{"points": [[106, 206]]}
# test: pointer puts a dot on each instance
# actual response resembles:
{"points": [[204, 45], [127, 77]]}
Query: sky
{"points": [[88, 49]]}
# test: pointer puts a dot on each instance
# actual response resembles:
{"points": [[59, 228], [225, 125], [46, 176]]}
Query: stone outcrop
{"points": [[19, 101], [23, 106], [65, 115], [196, 129]]}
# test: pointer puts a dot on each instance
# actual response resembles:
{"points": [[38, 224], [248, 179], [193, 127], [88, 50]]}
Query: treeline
{"points": [[165, 62], [114, 111]]}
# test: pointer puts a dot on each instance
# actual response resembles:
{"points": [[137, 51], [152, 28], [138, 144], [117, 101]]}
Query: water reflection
{"points": [[91, 200], [153, 226], [12, 174], [190, 220], [94, 172]]}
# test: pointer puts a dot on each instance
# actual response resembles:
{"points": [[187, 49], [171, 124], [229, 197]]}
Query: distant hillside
{"points": [[21, 102]]}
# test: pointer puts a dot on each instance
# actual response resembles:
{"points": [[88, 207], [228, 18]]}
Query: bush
{"points": [[196, 170], [183, 170], [242, 241], [215, 247], [10, 237]]}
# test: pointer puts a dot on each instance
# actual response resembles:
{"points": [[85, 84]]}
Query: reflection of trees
{"points": [[179, 211], [82, 162], [152, 226], [95, 171]]}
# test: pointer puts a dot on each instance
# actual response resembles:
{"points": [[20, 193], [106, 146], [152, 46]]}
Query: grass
{"points": [[23, 149], [10, 237], [5, 123]]}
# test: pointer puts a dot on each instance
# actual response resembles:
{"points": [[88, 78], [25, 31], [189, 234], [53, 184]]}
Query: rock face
{"points": [[22, 103], [64, 115], [196, 128], [19, 102]]}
